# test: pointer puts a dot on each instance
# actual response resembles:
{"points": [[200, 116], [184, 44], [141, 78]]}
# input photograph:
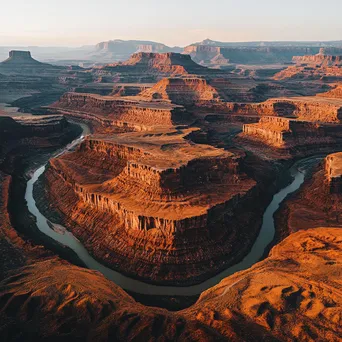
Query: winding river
{"points": [[265, 237]]}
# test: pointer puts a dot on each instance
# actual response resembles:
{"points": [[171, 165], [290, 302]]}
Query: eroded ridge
{"points": [[285, 133], [333, 168], [156, 205], [127, 113]]}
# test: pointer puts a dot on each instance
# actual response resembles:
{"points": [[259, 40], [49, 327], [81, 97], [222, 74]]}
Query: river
{"points": [[265, 237]]}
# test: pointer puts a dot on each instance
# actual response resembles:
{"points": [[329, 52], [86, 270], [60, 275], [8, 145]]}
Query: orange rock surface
{"points": [[282, 298], [155, 196], [318, 202], [125, 113]]}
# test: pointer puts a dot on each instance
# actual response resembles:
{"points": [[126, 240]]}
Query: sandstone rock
{"points": [[293, 134], [333, 168], [127, 113], [317, 203], [293, 294], [154, 205]]}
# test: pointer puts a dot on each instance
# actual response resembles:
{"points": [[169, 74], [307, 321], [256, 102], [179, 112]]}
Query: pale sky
{"points": [[173, 22]]}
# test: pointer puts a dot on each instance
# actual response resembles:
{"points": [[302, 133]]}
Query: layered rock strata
{"points": [[126, 113], [292, 134], [183, 91], [145, 67], [22, 140], [320, 66], [333, 168], [306, 108], [155, 205], [318, 202], [216, 55]]}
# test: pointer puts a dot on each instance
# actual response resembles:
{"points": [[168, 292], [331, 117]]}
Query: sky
{"points": [[173, 22]]}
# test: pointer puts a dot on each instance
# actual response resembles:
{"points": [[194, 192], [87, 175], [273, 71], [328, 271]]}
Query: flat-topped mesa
{"points": [[322, 60], [327, 67], [169, 62], [290, 134], [151, 67], [158, 202], [188, 91], [333, 168], [129, 113], [22, 59], [308, 108], [214, 55]]}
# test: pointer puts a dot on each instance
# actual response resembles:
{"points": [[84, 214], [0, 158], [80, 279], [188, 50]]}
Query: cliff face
{"points": [[182, 91], [21, 140], [282, 298], [333, 168], [126, 113], [293, 135], [150, 67], [311, 108], [213, 55], [318, 202], [163, 208], [320, 59], [313, 67]]}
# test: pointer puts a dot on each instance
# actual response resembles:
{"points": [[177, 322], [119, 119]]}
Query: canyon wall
{"points": [[161, 198], [216, 55], [333, 169], [293, 134], [122, 112]]}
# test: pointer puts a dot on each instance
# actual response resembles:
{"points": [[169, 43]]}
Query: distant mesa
{"points": [[116, 50], [22, 61], [19, 57], [148, 67]]}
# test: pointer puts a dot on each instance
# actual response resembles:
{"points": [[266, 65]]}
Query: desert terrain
{"points": [[157, 193]]}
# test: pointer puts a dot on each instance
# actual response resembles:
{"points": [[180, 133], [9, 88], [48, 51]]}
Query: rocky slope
{"points": [[282, 298], [336, 92]]}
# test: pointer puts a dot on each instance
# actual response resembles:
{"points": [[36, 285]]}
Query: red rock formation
{"points": [[183, 91], [163, 205], [289, 134], [317, 203], [308, 108], [333, 168], [292, 295], [320, 66], [126, 113], [336, 92], [148, 67]]}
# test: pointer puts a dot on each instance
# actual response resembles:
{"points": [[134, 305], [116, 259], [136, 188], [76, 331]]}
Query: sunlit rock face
{"points": [[161, 207], [293, 294]]}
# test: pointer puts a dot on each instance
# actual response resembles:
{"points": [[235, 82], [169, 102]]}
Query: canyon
{"points": [[173, 177]]}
